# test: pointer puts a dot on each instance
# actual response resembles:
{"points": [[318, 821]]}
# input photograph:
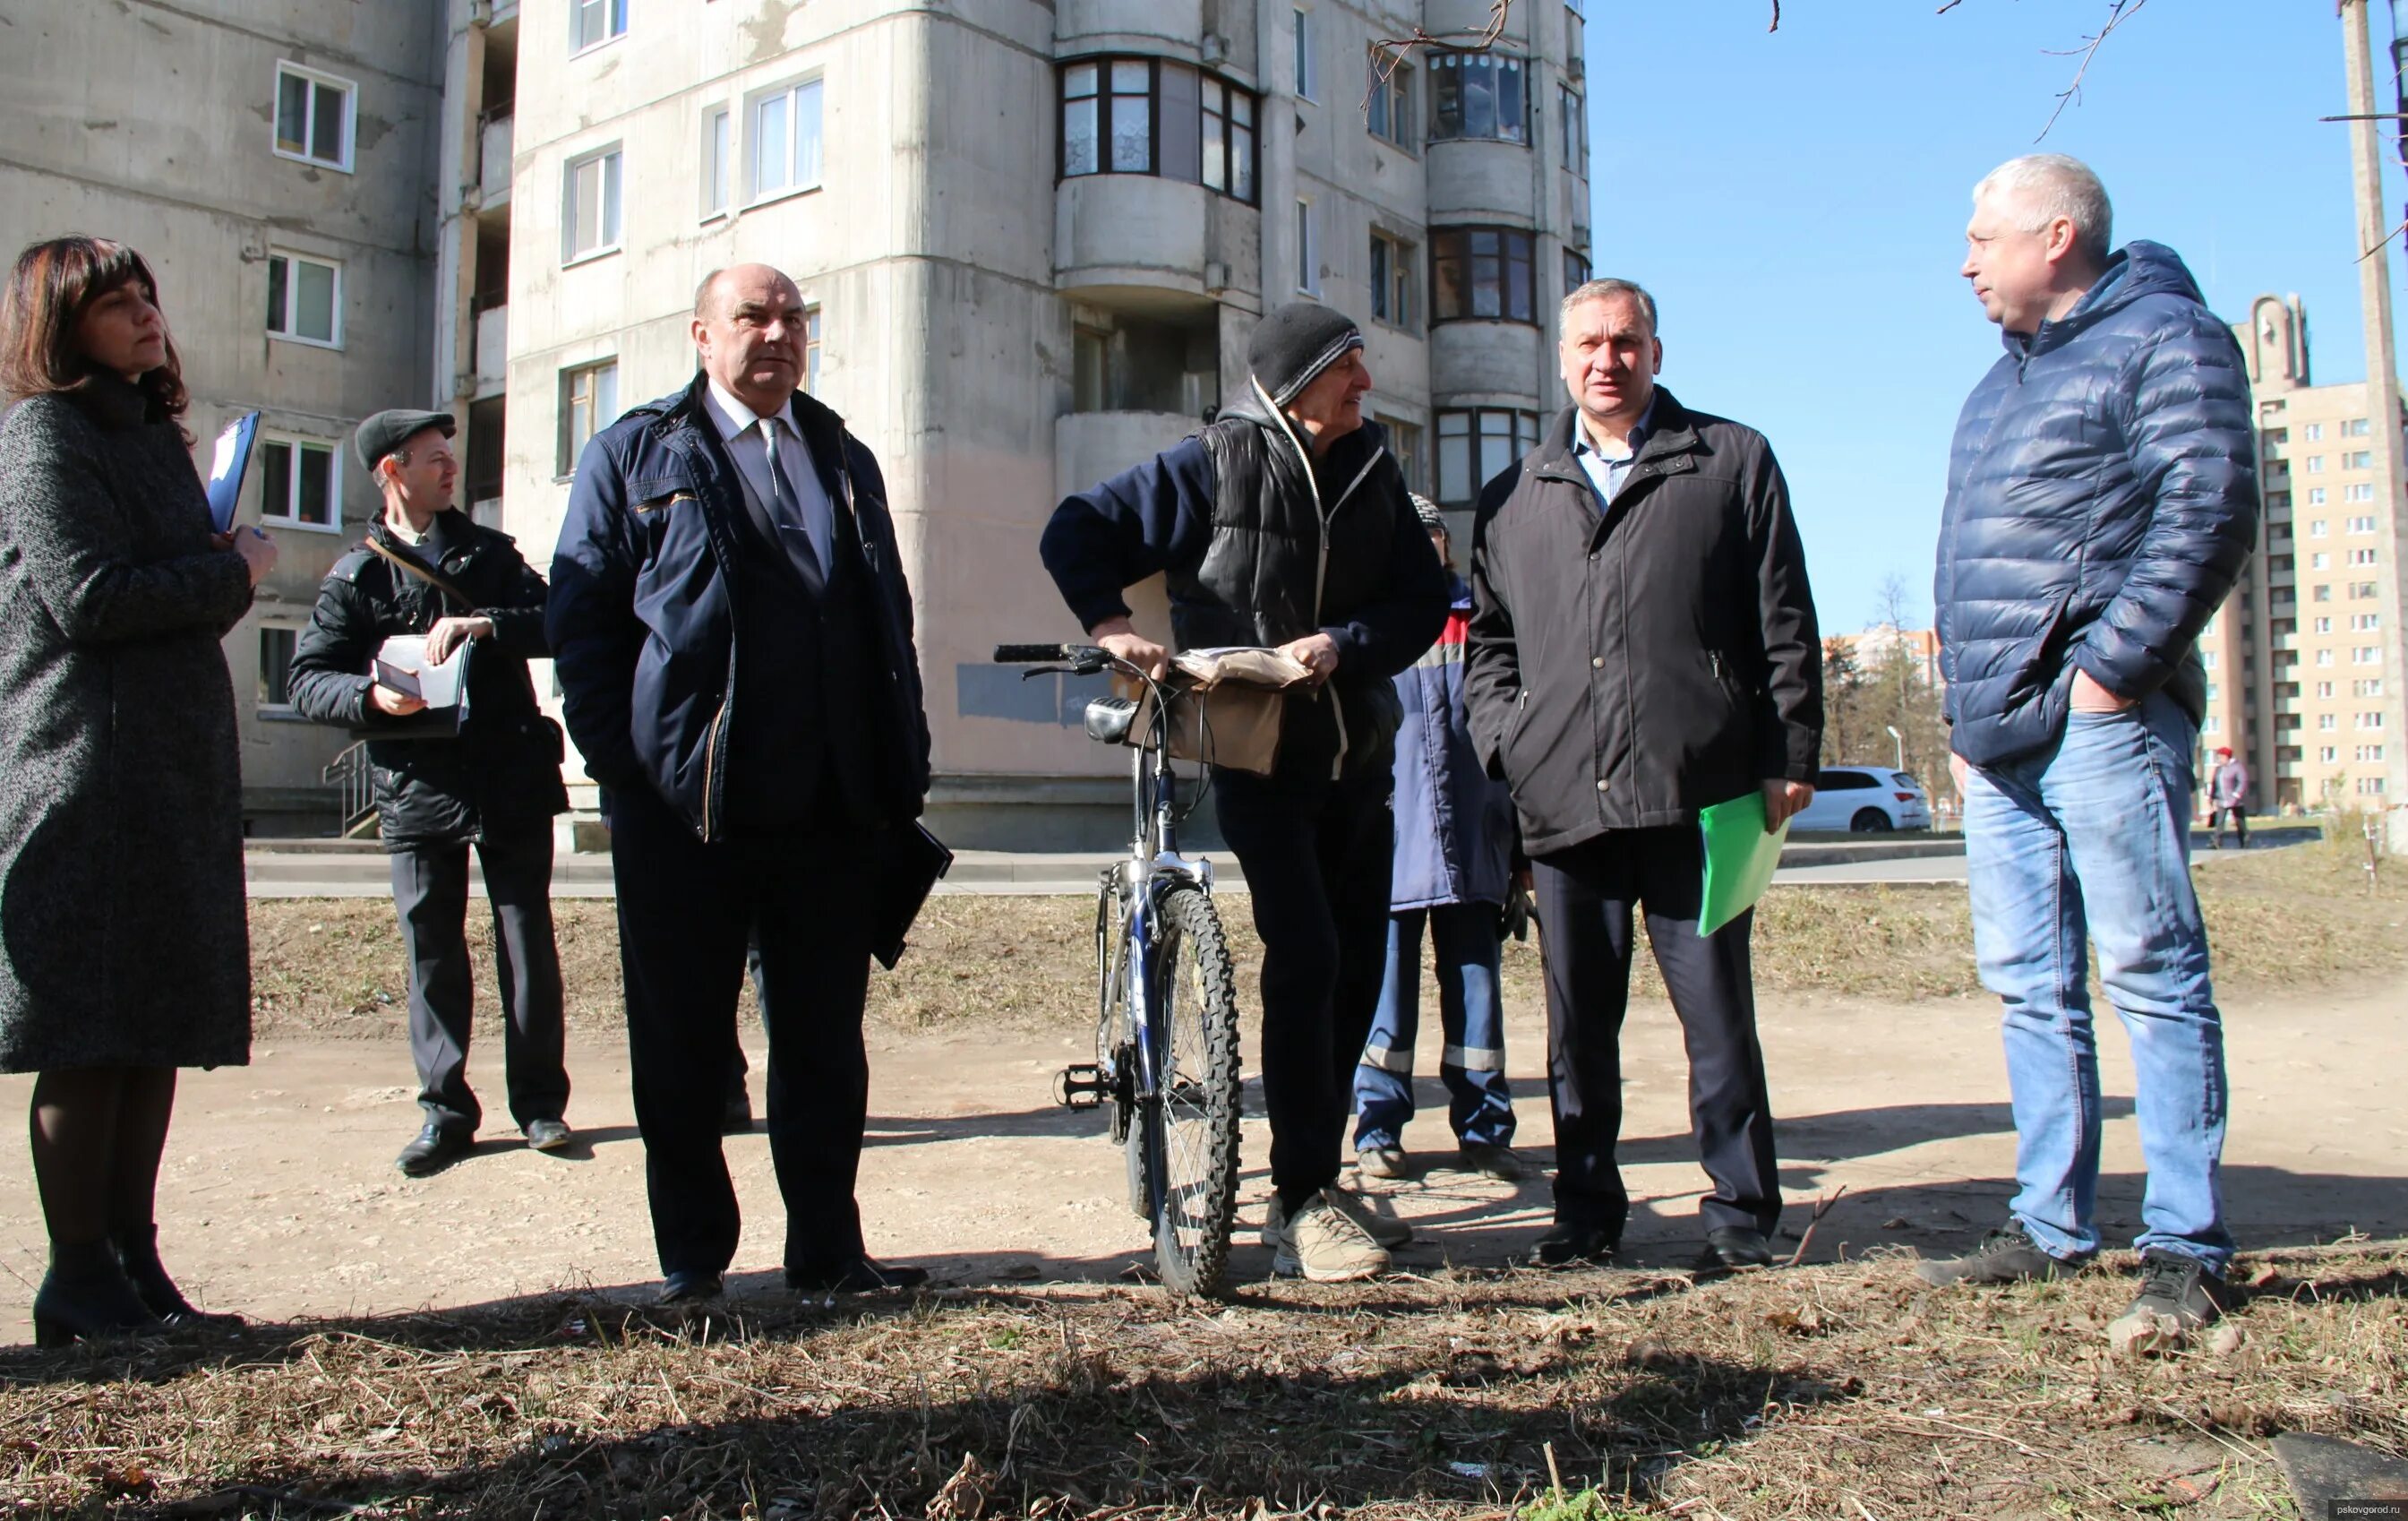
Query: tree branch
{"points": [[1388, 54], [2118, 12]]}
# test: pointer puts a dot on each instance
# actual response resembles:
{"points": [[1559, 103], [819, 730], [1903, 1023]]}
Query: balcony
{"points": [[493, 158], [493, 350], [1138, 233], [1081, 26], [1489, 363]]}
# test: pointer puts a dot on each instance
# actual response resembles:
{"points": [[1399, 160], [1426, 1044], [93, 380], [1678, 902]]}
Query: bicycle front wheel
{"points": [[1191, 1121]]}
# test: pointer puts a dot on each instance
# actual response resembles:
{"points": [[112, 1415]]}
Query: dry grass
{"points": [[1839, 1391], [2295, 918]]}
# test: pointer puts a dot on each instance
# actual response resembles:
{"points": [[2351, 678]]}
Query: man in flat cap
{"points": [[1285, 524], [486, 773]]}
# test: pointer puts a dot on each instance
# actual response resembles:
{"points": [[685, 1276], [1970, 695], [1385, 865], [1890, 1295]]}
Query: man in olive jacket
{"points": [[1642, 645], [428, 568]]}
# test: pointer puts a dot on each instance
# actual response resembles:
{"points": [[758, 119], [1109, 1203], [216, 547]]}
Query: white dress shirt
{"points": [[746, 434]]}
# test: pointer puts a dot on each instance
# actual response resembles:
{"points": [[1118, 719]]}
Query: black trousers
{"points": [[430, 893], [686, 912], [1585, 896], [2215, 821], [1317, 858]]}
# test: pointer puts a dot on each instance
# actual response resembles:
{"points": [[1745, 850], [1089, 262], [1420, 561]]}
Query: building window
{"points": [[2363, 654], [2355, 427], [1307, 75], [2321, 592], [589, 213], [2361, 556], [313, 117], [2370, 787], [2365, 623], [1575, 38], [2323, 689], [1405, 442], [2211, 725], [2313, 433], [785, 140], [1155, 116], [2316, 528], [1392, 279], [2323, 625], [718, 146], [2316, 498], [2371, 720], [589, 402], [2362, 459], [2362, 525], [298, 485], [1482, 274], [1576, 129], [1479, 94], [2324, 657], [811, 349], [276, 646], [2370, 752], [1391, 109], [2361, 591], [1575, 271], [2327, 754], [2320, 560], [1476, 446], [2316, 464], [1307, 251], [2327, 722], [593, 22], [2369, 687], [304, 300]]}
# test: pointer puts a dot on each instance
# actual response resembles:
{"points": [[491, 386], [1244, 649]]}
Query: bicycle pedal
{"points": [[1080, 1085]]}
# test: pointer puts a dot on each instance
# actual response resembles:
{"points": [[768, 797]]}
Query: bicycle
{"points": [[1167, 1061]]}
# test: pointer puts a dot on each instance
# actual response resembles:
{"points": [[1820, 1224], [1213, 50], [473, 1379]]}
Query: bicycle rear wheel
{"points": [[1114, 1054], [1191, 1121]]}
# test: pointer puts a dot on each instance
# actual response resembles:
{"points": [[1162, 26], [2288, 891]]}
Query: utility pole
{"points": [[2374, 227]]}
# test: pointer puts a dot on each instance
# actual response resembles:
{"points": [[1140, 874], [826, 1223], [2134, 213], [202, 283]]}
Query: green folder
{"points": [[1740, 859]]}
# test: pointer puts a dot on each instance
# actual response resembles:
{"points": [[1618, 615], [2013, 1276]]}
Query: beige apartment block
{"points": [[270, 159], [2305, 658], [1034, 239]]}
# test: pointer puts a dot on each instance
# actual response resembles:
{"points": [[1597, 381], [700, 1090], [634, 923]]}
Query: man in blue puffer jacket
{"points": [[2102, 499]]}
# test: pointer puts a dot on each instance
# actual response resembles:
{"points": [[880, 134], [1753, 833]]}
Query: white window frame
{"points": [[756, 193], [1307, 248], [284, 517], [613, 237], [1403, 285], [351, 116], [292, 296], [718, 164], [1308, 57], [613, 10], [274, 710]]}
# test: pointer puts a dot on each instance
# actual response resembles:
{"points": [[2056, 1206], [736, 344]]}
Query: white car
{"points": [[1865, 799]]}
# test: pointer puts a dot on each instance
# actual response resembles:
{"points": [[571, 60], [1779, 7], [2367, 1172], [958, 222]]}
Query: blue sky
{"points": [[1797, 202]]}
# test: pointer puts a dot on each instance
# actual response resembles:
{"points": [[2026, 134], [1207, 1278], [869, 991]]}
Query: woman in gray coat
{"points": [[124, 949]]}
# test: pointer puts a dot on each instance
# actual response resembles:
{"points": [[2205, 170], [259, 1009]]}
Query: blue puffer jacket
{"points": [[1454, 827], [2103, 495]]}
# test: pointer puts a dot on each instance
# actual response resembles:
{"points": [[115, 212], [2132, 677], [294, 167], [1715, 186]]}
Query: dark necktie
{"points": [[786, 506]]}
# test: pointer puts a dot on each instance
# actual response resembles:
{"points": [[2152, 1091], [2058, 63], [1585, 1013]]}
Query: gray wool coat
{"points": [[123, 936]]}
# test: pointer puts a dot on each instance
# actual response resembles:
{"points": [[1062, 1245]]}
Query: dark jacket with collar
{"points": [[1454, 823], [502, 771], [1260, 544], [2102, 496], [644, 616], [1630, 666]]}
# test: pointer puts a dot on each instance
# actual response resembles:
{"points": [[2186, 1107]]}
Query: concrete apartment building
{"points": [[271, 159], [1034, 237], [2305, 659]]}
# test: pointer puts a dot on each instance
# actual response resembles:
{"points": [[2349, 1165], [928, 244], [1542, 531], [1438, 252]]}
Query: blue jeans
{"points": [[1473, 1068], [2086, 845]]}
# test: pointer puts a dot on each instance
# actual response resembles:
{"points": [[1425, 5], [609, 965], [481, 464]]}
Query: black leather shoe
{"points": [[1733, 1249], [1569, 1245], [737, 1119], [690, 1286], [138, 1255], [863, 1275], [435, 1149], [84, 1297], [547, 1135]]}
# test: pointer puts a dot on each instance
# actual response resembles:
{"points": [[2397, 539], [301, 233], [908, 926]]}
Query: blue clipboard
{"points": [[227, 468]]}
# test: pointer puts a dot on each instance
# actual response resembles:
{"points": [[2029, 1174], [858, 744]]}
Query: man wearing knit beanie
{"points": [[1285, 524]]}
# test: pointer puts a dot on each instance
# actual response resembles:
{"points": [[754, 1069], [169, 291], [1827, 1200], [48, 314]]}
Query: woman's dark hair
{"points": [[54, 284]]}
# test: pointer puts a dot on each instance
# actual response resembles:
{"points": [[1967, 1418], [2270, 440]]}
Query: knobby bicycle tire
{"points": [[1191, 1123]]}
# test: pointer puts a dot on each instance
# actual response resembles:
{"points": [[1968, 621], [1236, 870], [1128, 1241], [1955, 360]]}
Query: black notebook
{"points": [[905, 872]]}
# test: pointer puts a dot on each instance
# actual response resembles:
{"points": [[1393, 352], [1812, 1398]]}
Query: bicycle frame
{"points": [[1154, 865]]}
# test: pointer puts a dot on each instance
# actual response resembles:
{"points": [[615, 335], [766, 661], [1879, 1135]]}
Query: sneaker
{"points": [[1325, 1245], [1498, 1162], [2178, 1296], [1386, 1230], [2006, 1255], [1381, 1161]]}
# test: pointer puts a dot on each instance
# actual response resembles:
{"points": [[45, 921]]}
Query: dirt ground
{"points": [[279, 1196]]}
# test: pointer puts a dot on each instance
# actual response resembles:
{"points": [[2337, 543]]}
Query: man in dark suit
{"points": [[733, 644], [1643, 646]]}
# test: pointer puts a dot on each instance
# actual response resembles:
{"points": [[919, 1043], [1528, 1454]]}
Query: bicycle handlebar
{"points": [[1037, 654]]}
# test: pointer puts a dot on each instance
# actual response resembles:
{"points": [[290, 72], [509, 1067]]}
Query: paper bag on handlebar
{"points": [[1225, 706]]}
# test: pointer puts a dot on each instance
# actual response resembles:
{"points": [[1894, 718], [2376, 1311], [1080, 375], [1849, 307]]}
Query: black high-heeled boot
{"points": [[138, 1254], [85, 1295]]}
